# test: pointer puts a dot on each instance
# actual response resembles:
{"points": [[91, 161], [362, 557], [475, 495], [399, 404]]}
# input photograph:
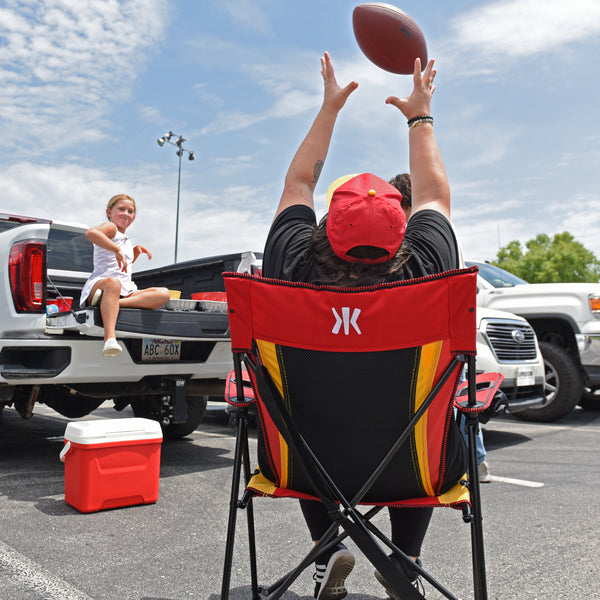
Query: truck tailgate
{"points": [[136, 322]]}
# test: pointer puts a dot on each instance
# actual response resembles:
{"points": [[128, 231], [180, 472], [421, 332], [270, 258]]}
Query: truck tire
{"points": [[563, 386], [150, 408]]}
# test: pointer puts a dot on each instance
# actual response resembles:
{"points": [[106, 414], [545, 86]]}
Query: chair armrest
{"points": [[489, 399], [231, 394]]}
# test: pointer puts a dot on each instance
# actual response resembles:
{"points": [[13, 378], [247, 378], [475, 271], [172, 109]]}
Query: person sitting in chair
{"points": [[365, 239]]}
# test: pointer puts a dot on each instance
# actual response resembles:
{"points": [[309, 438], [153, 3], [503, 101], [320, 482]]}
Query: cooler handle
{"points": [[64, 451]]}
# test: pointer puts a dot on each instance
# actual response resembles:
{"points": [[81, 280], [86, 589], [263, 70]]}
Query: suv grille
{"points": [[511, 340]]}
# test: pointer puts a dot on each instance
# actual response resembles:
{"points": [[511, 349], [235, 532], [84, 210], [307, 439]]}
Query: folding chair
{"points": [[391, 354]]}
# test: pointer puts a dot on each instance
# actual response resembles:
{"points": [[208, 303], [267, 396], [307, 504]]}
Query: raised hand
{"points": [[334, 96], [418, 103]]}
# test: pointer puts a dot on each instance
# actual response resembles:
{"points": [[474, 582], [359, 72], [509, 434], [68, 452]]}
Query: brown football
{"points": [[389, 37]]}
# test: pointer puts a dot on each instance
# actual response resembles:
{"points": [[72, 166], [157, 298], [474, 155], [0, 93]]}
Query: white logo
{"points": [[346, 320]]}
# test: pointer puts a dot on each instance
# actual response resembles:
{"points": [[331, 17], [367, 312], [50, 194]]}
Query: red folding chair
{"points": [[391, 353]]}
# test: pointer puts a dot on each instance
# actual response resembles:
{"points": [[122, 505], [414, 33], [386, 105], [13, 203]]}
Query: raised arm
{"points": [[305, 168], [430, 187]]}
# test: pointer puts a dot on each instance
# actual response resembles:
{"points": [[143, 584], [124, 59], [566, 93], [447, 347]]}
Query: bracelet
{"points": [[419, 120]]}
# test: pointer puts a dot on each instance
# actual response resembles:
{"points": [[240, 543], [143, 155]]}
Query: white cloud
{"points": [[232, 121], [222, 231], [486, 220], [479, 142], [220, 220], [518, 28], [228, 166], [247, 13], [287, 83], [584, 222], [64, 64], [496, 35], [151, 114], [292, 86]]}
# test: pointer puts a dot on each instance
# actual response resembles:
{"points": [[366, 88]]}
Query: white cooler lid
{"points": [[112, 430]]}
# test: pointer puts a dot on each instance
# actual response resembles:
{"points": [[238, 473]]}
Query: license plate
{"points": [[525, 376], [158, 349]]}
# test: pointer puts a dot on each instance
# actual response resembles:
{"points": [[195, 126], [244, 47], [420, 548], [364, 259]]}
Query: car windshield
{"points": [[496, 276]]}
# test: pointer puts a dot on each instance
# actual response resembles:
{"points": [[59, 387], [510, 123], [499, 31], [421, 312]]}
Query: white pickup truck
{"points": [[566, 320], [173, 360]]}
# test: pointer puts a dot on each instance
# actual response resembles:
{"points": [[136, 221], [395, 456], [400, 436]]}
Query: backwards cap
{"points": [[364, 210]]}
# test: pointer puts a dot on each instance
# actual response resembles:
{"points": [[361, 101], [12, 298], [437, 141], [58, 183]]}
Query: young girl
{"points": [[110, 284]]}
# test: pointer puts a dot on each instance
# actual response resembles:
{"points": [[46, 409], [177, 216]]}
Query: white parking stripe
{"points": [[523, 482], [34, 577]]}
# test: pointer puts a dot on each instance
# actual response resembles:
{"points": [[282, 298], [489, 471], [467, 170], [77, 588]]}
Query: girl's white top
{"points": [[106, 265]]}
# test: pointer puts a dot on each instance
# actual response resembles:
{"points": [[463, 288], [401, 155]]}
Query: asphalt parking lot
{"points": [[541, 520]]}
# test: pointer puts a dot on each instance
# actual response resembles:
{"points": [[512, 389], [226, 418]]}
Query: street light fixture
{"points": [[180, 152]]}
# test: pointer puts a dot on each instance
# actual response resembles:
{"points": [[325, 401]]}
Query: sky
{"points": [[88, 86]]}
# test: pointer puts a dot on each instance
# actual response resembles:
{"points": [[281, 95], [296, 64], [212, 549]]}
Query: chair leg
{"points": [[240, 459], [250, 516], [479, 577]]}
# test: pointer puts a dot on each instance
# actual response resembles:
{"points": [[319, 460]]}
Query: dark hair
{"points": [[335, 271], [403, 184]]}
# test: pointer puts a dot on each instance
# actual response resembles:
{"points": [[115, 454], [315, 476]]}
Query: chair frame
{"points": [[343, 511]]}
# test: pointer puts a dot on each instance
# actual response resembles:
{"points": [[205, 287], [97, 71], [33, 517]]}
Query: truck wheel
{"points": [[151, 408], [590, 399], [563, 386]]}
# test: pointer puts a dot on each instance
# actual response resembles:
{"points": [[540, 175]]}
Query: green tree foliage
{"points": [[546, 260]]}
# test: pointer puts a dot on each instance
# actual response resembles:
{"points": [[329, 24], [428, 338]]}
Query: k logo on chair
{"points": [[346, 320]]}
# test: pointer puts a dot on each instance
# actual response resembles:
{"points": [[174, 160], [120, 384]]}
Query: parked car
{"points": [[507, 344], [566, 320]]}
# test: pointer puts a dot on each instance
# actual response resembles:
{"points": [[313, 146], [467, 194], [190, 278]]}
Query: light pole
{"points": [[180, 150]]}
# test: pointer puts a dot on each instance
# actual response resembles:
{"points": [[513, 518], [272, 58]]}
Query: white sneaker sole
{"points": [[96, 298], [111, 351], [338, 568]]}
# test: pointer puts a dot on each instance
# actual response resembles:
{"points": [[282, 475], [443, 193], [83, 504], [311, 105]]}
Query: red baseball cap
{"points": [[365, 210]]}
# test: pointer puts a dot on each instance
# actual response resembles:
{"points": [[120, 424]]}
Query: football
{"points": [[389, 37]]}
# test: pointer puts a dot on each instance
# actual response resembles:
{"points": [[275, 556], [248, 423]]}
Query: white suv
{"points": [[508, 345]]}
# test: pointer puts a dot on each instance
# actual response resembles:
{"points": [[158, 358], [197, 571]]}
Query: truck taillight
{"points": [[595, 303], [27, 268]]}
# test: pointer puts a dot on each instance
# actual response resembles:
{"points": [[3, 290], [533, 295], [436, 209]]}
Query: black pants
{"points": [[409, 525]]}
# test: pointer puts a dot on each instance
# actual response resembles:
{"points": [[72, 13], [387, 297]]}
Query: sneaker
{"points": [[410, 573], [96, 298], [330, 576], [111, 347], [484, 472]]}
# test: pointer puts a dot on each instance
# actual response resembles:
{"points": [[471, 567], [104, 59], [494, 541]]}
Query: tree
{"points": [[560, 259]]}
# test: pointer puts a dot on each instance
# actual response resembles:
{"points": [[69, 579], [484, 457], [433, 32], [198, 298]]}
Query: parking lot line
{"points": [[34, 577], [523, 482]]}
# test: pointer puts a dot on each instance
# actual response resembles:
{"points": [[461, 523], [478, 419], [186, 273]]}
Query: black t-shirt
{"points": [[429, 240]]}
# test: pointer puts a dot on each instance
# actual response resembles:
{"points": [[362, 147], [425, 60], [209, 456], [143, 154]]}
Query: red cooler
{"points": [[111, 463]]}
